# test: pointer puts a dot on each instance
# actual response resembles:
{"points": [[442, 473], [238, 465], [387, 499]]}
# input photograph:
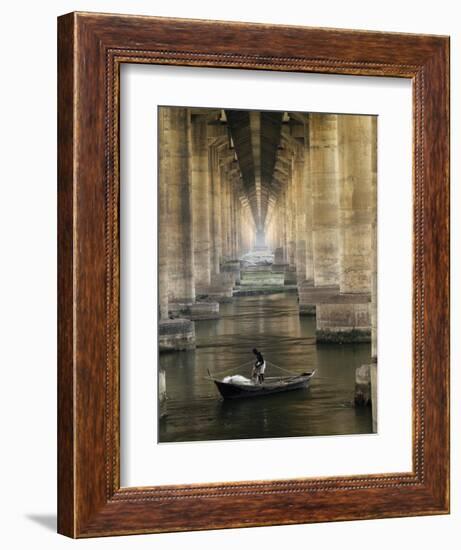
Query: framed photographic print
{"points": [[253, 275]]}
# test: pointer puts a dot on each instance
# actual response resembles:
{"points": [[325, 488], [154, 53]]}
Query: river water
{"points": [[195, 410]]}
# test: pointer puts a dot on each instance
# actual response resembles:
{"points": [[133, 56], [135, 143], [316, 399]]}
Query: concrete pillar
{"points": [[176, 280], [283, 223], [374, 247], [229, 213], [374, 286], [300, 213], [221, 285], [234, 228], [305, 289], [323, 134], [304, 216], [231, 264], [308, 207], [280, 227], [202, 216], [291, 215], [201, 210], [176, 335], [322, 213], [243, 232], [290, 220], [350, 320], [356, 158], [215, 208], [233, 223], [243, 229], [179, 223], [278, 256], [163, 214], [279, 232], [225, 212], [250, 228]]}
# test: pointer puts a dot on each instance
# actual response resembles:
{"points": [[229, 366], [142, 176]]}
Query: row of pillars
{"points": [[204, 218], [322, 224]]}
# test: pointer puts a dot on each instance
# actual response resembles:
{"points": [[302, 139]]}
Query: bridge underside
{"points": [[297, 189]]}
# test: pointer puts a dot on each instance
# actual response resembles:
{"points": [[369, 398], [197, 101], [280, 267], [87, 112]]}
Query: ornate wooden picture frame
{"points": [[92, 48]]}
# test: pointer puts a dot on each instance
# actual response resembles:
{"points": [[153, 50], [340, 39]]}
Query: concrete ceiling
{"points": [[256, 136]]}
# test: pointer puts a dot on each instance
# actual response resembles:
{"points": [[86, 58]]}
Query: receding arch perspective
{"points": [[267, 240]]}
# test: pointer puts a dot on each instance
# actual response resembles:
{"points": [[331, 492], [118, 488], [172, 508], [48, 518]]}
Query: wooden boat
{"points": [[271, 385]]}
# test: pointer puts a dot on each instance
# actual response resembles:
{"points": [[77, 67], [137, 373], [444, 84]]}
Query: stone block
{"points": [[220, 289], [278, 256], [279, 268], [204, 310], [290, 276], [343, 323], [200, 310], [226, 278], [177, 310], [307, 309], [261, 278], [305, 298], [232, 267], [258, 268], [176, 335]]}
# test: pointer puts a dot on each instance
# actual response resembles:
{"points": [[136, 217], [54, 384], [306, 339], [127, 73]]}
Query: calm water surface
{"points": [[195, 410]]}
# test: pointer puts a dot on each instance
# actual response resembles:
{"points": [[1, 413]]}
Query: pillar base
{"points": [[220, 296], [178, 310], [263, 290], [278, 256], [176, 335], [306, 304], [343, 336], [307, 309], [288, 271], [344, 322], [290, 276], [232, 267], [261, 277], [195, 311], [201, 311], [219, 290], [279, 268]]}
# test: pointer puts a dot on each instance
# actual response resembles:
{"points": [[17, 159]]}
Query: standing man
{"points": [[259, 367]]}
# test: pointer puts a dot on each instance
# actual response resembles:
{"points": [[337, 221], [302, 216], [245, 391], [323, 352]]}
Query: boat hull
{"points": [[240, 391]]}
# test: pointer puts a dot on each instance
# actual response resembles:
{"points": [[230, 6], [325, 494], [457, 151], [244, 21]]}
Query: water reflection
{"points": [[272, 324]]}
